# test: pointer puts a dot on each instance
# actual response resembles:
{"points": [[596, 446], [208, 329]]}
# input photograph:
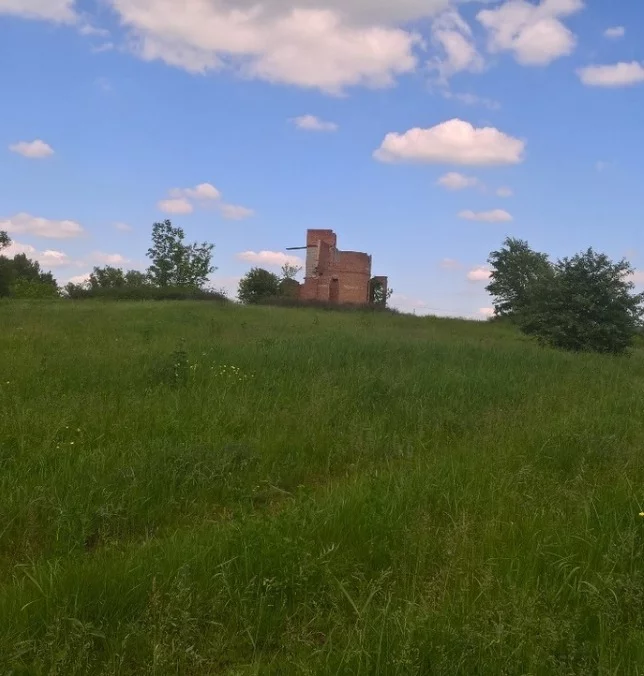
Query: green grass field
{"points": [[190, 488]]}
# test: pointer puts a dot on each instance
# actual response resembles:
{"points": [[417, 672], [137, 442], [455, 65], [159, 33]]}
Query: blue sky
{"points": [[403, 126]]}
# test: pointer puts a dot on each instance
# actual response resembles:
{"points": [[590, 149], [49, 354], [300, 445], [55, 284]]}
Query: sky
{"points": [[423, 132]]}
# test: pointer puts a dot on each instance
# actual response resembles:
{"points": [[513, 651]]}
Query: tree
{"points": [[20, 277], [175, 263], [258, 284], [107, 278], [380, 296], [5, 240], [515, 267], [290, 271], [136, 278], [586, 304]]}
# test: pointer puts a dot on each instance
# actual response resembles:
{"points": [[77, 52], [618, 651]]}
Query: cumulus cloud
{"points": [[313, 123], [122, 227], [79, 279], [32, 149], [108, 259], [182, 200], [479, 274], [455, 181], [49, 258], [494, 216], [204, 191], [618, 75], [504, 192], [323, 45], [534, 33], [234, 212], [453, 37], [615, 32], [486, 312], [24, 223], [176, 206], [61, 11], [274, 259], [452, 142]]}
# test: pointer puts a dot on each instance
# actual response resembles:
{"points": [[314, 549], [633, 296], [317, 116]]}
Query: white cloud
{"points": [[478, 274], [176, 206], [24, 223], [122, 227], [504, 192], [313, 123], [454, 37], [455, 181], [535, 34], [615, 32], [450, 264], [494, 216], [79, 279], [323, 45], [61, 11], [48, 259], [108, 259], [233, 212], [32, 149], [619, 75], [452, 142], [275, 259], [204, 191], [486, 312]]}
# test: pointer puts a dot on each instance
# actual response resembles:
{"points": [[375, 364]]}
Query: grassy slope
{"points": [[365, 495]]}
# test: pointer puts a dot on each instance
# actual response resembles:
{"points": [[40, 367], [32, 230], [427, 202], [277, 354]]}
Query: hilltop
{"points": [[203, 488]]}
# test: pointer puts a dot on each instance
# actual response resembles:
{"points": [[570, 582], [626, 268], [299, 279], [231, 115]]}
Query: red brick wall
{"points": [[324, 262]]}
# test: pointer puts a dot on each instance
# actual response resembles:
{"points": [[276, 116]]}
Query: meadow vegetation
{"points": [[208, 488]]}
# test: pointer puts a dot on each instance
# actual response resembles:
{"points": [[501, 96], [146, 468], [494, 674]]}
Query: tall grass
{"points": [[209, 489]]}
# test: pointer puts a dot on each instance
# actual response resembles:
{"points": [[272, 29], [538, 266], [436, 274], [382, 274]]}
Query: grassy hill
{"points": [[191, 488]]}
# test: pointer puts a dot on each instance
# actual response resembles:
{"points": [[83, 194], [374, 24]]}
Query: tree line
{"points": [[581, 303]]}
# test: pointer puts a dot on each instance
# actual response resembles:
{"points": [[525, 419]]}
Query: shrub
{"points": [[586, 304]]}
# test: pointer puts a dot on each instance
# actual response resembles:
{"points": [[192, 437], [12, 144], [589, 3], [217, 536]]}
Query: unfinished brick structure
{"points": [[335, 276]]}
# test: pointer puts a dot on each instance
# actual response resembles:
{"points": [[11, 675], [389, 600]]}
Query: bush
{"points": [[77, 292], [586, 304]]}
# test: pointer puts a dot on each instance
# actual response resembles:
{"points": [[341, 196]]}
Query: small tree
{"points": [[586, 304], [5, 240], [175, 263], [257, 285], [290, 271], [515, 268]]}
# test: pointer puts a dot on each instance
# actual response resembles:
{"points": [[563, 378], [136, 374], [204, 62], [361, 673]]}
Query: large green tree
{"points": [[21, 277], [586, 304], [175, 263], [514, 270], [258, 284]]}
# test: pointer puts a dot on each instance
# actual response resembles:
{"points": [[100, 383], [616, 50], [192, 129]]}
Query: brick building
{"points": [[338, 276]]}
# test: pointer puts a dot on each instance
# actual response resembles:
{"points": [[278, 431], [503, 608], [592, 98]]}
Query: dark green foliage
{"points": [[5, 241], [107, 278], [175, 263], [515, 267], [586, 304], [257, 285], [20, 277], [143, 292]]}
